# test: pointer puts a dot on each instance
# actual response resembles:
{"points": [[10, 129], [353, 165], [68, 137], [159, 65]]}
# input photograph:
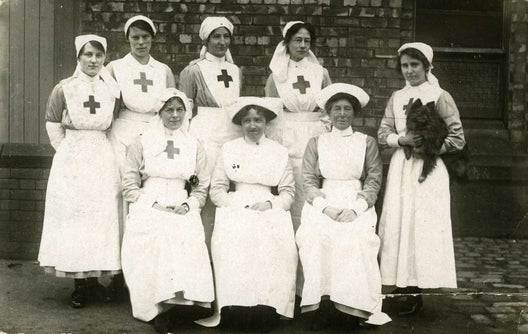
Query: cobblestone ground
{"points": [[492, 298], [493, 283]]}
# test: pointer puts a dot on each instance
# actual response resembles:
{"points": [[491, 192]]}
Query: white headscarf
{"points": [[139, 18], [208, 26], [279, 61], [110, 82], [427, 51], [169, 93]]}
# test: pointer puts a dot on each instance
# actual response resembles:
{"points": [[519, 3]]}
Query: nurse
{"points": [[253, 246], [297, 78], [164, 256], [337, 240], [80, 235]]}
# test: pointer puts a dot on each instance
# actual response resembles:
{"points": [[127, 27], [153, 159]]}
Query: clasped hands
{"points": [[260, 206], [340, 215], [178, 209]]}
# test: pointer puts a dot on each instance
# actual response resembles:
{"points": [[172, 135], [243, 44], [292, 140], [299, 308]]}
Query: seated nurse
{"points": [[164, 255], [337, 241], [253, 245]]}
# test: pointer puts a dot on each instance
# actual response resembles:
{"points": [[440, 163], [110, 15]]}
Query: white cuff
{"points": [[319, 203], [193, 203], [360, 206], [392, 140], [55, 133]]}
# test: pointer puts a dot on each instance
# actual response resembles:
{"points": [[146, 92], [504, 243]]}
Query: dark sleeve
{"points": [[448, 110], [56, 105], [310, 171], [270, 89], [372, 173]]}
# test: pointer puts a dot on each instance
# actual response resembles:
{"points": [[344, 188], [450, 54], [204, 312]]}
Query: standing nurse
{"points": [[297, 78]]}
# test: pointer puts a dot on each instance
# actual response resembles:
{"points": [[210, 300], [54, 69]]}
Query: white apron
{"points": [[139, 84], [164, 256], [340, 259], [80, 236], [415, 225], [300, 123], [212, 125], [254, 253]]}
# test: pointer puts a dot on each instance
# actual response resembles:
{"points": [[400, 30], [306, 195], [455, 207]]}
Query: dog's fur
{"points": [[425, 121]]}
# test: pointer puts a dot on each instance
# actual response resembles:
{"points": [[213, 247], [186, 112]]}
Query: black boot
{"points": [[97, 291], [266, 318], [163, 322], [116, 290], [412, 303], [322, 317], [78, 296]]}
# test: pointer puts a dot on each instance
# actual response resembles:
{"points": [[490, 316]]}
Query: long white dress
{"points": [[80, 236], [299, 122], [415, 224], [254, 253], [164, 256], [340, 259]]}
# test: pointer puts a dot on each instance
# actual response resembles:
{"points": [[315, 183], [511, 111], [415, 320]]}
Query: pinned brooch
{"points": [[235, 167], [194, 180]]}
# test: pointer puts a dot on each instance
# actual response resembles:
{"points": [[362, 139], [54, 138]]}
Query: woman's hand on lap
{"points": [[261, 206], [332, 212], [347, 216]]}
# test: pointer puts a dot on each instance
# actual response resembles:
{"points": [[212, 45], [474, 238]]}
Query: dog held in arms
{"points": [[425, 121]]}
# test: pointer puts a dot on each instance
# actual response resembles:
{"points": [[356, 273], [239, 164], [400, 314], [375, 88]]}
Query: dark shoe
{"points": [[78, 296], [163, 323], [266, 318], [322, 317], [412, 305], [116, 290], [97, 291]]}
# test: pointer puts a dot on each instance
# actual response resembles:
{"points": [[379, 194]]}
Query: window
{"points": [[470, 56]]}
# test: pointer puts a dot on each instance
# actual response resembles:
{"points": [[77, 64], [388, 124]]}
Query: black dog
{"points": [[425, 121]]}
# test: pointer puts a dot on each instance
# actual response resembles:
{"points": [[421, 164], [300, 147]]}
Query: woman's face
{"points": [[173, 114], [218, 42], [140, 42], [253, 125], [341, 114], [299, 44], [91, 60], [413, 70]]}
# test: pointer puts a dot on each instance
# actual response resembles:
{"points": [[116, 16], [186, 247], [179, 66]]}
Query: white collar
{"points": [[172, 133], [215, 59], [258, 142], [130, 58], [298, 64], [85, 77], [342, 133]]}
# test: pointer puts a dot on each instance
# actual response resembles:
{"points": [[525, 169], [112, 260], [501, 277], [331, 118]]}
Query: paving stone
{"points": [[508, 286], [511, 304], [500, 310], [522, 328], [481, 319], [506, 317]]}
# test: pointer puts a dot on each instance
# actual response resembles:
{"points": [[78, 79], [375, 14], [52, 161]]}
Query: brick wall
{"points": [[518, 96], [356, 39], [22, 195]]}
